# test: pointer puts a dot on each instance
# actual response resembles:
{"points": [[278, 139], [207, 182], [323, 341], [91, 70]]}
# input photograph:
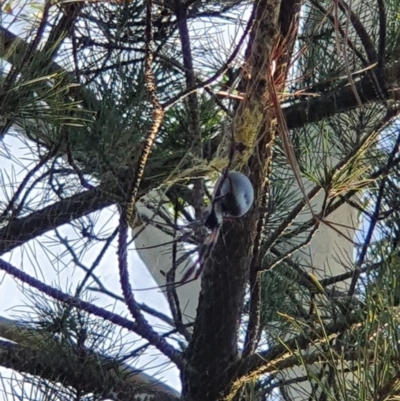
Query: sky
{"points": [[45, 261]]}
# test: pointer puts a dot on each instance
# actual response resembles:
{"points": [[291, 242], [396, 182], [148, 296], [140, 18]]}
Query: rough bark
{"points": [[87, 373], [214, 346]]}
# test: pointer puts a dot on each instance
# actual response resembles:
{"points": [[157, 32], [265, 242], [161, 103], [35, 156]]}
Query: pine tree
{"points": [[128, 113]]}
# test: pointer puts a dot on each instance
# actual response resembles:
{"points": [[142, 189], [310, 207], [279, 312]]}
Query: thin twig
{"points": [[137, 170], [172, 296], [71, 161], [95, 264], [174, 355], [281, 356], [192, 102], [369, 48], [381, 43], [374, 217], [11, 205], [145, 308], [130, 301], [166, 105]]}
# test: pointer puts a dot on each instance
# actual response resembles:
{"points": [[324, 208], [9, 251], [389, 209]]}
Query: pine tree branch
{"points": [[215, 335], [154, 338], [288, 24], [297, 115], [192, 103], [70, 12], [13, 49], [281, 356], [143, 331], [138, 164], [342, 100], [23, 229], [37, 354], [153, 245], [18, 231]]}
